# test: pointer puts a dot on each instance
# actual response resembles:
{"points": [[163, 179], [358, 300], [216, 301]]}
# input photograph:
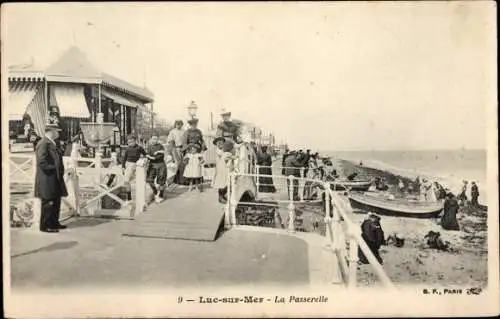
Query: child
{"points": [[133, 153], [221, 170], [193, 171]]}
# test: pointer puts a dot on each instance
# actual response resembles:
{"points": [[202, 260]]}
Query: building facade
{"points": [[76, 92]]}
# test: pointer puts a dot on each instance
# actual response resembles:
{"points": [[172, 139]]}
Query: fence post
{"points": [[140, 190], [233, 199], [336, 228], [353, 258], [328, 219], [291, 206], [302, 184], [257, 182], [37, 202], [74, 180], [227, 220], [97, 165]]}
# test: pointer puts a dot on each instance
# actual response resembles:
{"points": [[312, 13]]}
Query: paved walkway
{"points": [[93, 252]]}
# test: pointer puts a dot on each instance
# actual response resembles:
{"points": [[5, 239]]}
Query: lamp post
{"points": [[192, 109]]}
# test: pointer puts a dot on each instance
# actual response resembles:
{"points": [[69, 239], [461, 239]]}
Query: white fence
{"points": [[85, 179], [210, 153], [343, 236]]}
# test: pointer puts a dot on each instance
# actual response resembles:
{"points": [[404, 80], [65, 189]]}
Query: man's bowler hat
{"points": [[52, 127]]}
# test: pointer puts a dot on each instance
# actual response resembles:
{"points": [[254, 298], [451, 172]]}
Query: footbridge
{"points": [[321, 219], [252, 221]]}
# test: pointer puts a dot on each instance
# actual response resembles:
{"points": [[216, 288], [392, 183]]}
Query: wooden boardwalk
{"points": [[188, 215]]}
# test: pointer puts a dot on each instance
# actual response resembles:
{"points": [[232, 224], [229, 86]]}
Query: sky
{"points": [[328, 76]]}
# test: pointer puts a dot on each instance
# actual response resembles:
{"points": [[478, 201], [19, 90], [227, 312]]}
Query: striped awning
{"points": [[70, 99], [20, 96], [119, 99]]}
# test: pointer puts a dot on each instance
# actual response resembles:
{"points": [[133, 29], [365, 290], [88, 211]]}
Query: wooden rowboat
{"points": [[358, 186], [395, 207]]}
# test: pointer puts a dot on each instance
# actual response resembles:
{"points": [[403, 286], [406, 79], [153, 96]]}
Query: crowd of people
{"points": [[373, 233], [308, 165], [428, 191], [181, 162]]}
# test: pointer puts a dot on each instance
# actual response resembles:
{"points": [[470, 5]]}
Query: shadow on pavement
{"points": [[87, 222], [176, 191], [220, 231], [49, 248]]}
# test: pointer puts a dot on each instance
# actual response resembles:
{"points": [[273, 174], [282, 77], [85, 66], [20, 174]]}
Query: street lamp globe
{"points": [[192, 108]]}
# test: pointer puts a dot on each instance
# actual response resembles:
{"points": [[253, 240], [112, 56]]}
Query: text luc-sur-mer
{"points": [[255, 299]]}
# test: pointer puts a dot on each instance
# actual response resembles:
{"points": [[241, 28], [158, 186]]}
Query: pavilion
{"points": [[79, 92]]}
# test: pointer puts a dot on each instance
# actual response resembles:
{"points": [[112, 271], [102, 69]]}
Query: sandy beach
{"points": [[415, 263]]}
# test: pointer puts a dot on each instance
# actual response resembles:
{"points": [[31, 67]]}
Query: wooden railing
{"points": [[343, 236], [23, 169]]}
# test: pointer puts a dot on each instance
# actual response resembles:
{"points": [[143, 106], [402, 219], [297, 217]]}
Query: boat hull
{"points": [[395, 208], [357, 186]]}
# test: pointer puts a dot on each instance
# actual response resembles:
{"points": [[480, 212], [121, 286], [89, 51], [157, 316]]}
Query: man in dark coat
{"points": [[373, 235], [227, 128], [292, 167], [285, 154], [265, 162], [474, 195], [49, 180]]}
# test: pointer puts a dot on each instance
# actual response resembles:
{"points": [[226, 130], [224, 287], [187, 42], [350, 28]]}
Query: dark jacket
{"points": [[159, 158], [474, 191], [49, 179], [133, 154], [264, 159], [292, 166], [195, 136], [372, 233], [227, 129]]}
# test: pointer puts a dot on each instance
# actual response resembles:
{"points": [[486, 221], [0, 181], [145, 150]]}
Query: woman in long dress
{"points": [[265, 161], [193, 135], [222, 157], [431, 193], [424, 189], [450, 210], [462, 196]]}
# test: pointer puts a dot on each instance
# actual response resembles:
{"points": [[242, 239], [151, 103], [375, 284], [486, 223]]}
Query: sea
{"points": [[448, 167]]}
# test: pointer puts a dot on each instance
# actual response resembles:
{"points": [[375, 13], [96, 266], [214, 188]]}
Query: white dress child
{"points": [[193, 168]]}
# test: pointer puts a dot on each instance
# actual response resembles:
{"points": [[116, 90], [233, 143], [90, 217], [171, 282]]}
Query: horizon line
{"points": [[407, 150]]}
